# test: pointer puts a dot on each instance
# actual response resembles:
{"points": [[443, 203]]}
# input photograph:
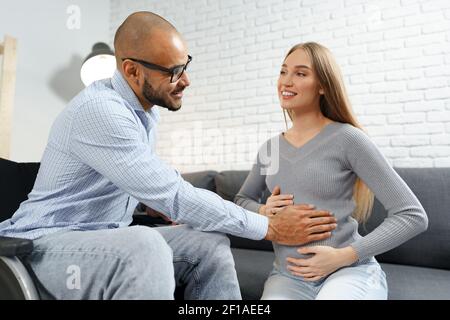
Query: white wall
{"points": [[395, 56], [50, 52]]}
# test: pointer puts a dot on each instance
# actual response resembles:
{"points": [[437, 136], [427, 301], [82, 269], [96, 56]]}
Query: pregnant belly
{"points": [[343, 236], [282, 253]]}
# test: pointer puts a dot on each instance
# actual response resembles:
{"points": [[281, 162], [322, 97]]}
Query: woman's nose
{"points": [[286, 81]]}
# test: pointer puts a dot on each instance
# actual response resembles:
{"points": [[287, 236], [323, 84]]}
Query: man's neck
{"points": [[144, 103]]}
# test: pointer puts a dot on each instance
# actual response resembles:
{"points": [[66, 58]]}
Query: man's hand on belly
{"points": [[300, 224]]}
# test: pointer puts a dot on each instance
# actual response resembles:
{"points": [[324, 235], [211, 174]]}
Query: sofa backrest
{"points": [[202, 179], [16, 181], [432, 188], [432, 247], [228, 184]]}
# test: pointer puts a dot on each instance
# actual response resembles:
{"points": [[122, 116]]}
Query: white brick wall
{"points": [[394, 54]]}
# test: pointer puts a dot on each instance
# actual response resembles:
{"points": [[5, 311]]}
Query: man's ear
{"points": [[130, 71]]}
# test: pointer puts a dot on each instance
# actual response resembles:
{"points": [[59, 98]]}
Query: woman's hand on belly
{"points": [[325, 260], [276, 202]]}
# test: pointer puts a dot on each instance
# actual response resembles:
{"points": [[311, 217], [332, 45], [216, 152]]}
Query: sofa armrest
{"points": [[15, 246]]}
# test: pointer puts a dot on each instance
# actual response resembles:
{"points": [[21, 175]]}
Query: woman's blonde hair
{"points": [[335, 105]]}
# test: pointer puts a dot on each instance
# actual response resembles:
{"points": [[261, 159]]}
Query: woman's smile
{"points": [[287, 95]]}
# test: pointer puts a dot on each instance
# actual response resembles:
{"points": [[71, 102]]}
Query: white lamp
{"points": [[99, 64]]}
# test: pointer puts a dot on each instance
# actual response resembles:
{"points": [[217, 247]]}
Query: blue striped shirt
{"points": [[100, 162]]}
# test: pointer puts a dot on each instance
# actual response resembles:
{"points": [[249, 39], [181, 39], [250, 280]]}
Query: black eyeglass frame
{"points": [[170, 71]]}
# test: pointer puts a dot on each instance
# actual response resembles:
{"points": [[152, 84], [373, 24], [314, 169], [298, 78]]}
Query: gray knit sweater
{"points": [[323, 172]]}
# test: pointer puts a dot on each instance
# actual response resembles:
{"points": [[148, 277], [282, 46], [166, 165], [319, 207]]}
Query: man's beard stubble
{"points": [[155, 98]]}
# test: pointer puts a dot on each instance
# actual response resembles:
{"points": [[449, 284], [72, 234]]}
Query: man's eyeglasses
{"points": [[175, 72]]}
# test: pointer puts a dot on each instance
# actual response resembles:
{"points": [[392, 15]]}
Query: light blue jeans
{"points": [[361, 281], [136, 262]]}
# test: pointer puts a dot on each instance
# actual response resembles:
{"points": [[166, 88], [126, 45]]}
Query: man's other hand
{"points": [[155, 214]]}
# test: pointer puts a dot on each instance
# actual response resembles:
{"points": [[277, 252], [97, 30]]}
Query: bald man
{"points": [[100, 162]]}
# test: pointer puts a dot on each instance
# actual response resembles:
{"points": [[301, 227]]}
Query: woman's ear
{"points": [[321, 91]]}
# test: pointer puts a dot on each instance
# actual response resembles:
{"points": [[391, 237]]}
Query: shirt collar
{"points": [[121, 86]]}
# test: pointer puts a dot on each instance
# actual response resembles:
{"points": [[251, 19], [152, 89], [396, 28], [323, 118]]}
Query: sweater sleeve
{"points": [[406, 216], [251, 191]]}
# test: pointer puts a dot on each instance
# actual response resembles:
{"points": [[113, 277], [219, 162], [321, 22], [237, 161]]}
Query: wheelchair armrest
{"points": [[15, 246]]}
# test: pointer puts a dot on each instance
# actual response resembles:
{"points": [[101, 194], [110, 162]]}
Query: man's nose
{"points": [[185, 79]]}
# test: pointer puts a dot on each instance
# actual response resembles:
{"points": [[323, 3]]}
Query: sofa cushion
{"points": [[17, 180], [253, 268], [404, 282], [431, 248], [416, 283]]}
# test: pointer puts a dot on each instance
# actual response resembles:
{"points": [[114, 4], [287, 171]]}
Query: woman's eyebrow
{"points": [[298, 66]]}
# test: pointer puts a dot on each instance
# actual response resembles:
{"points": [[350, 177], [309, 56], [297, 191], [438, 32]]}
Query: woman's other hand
{"points": [[324, 261]]}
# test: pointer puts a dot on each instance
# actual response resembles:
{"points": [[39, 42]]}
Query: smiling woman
{"points": [[322, 161], [298, 85]]}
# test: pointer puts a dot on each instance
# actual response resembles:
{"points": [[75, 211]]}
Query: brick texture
{"points": [[394, 55]]}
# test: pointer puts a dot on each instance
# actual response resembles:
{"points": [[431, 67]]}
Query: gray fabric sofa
{"points": [[418, 269]]}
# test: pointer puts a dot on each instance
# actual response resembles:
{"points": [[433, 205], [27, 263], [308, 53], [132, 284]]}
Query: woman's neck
{"points": [[308, 122]]}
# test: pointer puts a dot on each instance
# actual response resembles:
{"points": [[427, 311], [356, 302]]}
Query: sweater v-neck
{"points": [[293, 153]]}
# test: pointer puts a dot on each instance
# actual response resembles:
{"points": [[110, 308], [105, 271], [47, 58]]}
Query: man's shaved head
{"points": [[138, 33], [144, 39]]}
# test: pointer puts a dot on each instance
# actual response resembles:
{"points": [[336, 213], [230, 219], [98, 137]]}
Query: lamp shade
{"points": [[99, 64]]}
